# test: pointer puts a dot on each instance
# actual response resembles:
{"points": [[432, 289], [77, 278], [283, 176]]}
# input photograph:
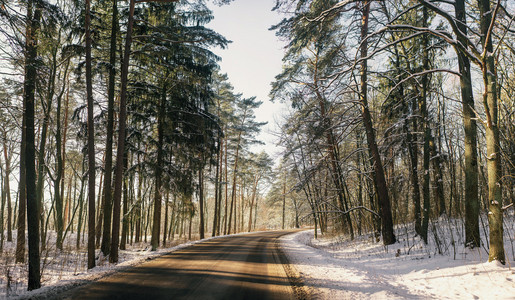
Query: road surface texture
{"points": [[236, 267]]}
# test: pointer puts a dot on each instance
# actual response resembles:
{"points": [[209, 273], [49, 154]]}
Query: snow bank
{"points": [[334, 268]]}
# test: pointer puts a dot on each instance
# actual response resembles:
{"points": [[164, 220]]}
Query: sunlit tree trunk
{"points": [[495, 213]]}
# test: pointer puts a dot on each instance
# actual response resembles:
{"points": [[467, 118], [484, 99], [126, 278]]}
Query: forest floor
{"points": [[333, 267]]}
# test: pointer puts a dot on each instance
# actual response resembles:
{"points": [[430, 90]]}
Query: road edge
{"points": [[300, 290]]}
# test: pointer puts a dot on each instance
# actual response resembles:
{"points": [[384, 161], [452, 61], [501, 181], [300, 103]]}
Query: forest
{"points": [[119, 129]]}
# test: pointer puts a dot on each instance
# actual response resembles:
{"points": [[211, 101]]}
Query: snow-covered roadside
{"points": [[66, 273], [363, 269], [55, 284]]}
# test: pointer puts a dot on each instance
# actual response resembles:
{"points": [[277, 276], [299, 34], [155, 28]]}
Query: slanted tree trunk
{"points": [[380, 180]]}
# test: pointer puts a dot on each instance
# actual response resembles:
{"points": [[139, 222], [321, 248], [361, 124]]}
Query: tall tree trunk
{"points": [[438, 176], [81, 203], [166, 218], [108, 167], [140, 202], [201, 202], [22, 192], [34, 276], [216, 219], [427, 130], [100, 210], [380, 181], [226, 186], [125, 209], [233, 192], [2, 208], [91, 145], [156, 226], [122, 119], [495, 214], [41, 171], [59, 174], [7, 189], [252, 199], [284, 205], [472, 238]]}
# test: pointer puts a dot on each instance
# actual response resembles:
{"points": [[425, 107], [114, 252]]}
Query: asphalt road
{"points": [[235, 267]]}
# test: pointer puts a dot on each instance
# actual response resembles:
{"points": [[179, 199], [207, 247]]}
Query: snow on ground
{"points": [[336, 268], [66, 269]]}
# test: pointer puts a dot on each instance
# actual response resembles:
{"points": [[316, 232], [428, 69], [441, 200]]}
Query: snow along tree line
{"points": [[115, 122], [401, 112]]}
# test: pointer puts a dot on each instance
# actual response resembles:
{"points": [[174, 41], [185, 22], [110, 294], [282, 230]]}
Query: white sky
{"points": [[253, 58]]}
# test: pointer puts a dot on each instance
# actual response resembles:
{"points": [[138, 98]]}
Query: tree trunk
{"points": [[7, 189], [226, 187], [252, 199], [22, 194], [91, 145], [34, 276], [216, 218], [156, 226], [166, 218], [201, 202], [233, 192], [284, 205], [495, 214], [380, 181], [108, 192], [125, 217], [472, 238], [81, 204], [427, 131], [122, 119], [59, 175]]}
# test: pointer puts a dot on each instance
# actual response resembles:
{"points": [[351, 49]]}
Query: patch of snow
{"points": [[336, 268]]}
